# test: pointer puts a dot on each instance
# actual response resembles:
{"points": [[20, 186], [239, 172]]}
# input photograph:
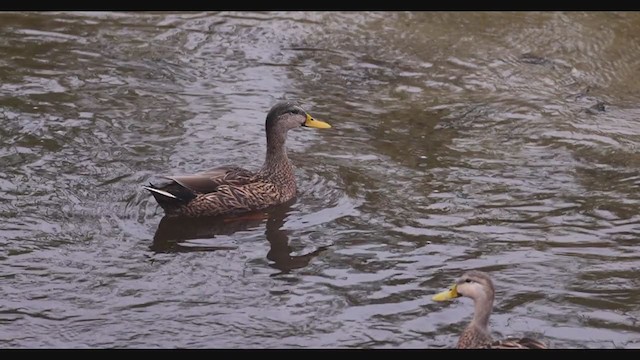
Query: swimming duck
{"points": [[231, 189], [478, 286]]}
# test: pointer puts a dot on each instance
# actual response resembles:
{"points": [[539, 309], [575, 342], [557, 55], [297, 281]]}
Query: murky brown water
{"points": [[506, 142]]}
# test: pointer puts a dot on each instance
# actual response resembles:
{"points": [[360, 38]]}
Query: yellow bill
{"points": [[311, 122], [447, 295]]}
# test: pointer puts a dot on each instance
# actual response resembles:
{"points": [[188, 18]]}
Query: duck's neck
{"points": [[276, 160], [483, 305]]}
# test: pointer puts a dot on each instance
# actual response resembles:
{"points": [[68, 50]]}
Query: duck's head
{"points": [[472, 284], [284, 116]]}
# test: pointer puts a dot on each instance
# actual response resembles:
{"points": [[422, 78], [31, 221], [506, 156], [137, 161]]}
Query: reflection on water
{"points": [[500, 141], [175, 234]]}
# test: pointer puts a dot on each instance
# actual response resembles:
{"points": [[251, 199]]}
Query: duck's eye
{"points": [[468, 281]]}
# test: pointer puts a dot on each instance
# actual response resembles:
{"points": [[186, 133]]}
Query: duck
{"points": [[478, 286], [231, 189]]}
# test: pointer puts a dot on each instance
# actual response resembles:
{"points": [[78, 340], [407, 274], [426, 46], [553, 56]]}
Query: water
{"points": [[504, 142]]}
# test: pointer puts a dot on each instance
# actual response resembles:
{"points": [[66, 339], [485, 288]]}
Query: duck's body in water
{"points": [[231, 189], [478, 286]]}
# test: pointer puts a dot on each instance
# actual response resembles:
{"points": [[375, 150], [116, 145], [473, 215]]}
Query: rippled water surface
{"points": [[504, 142]]}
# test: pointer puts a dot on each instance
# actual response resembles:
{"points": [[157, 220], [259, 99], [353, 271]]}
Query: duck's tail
{"points": [[171, 196], [157, 192]]}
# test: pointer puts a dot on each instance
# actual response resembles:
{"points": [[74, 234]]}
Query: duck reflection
{"points": [[177, 235]]}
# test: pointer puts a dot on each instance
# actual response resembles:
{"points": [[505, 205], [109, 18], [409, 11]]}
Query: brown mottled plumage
{"points": [[478, 286], [231, 189]]}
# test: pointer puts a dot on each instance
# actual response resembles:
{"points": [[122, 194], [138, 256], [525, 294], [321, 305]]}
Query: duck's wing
{"points": [[514, 343], [209, 180], [179, 190]]}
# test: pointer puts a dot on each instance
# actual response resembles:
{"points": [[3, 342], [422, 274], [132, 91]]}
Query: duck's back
{"points": [[209, 180]]}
